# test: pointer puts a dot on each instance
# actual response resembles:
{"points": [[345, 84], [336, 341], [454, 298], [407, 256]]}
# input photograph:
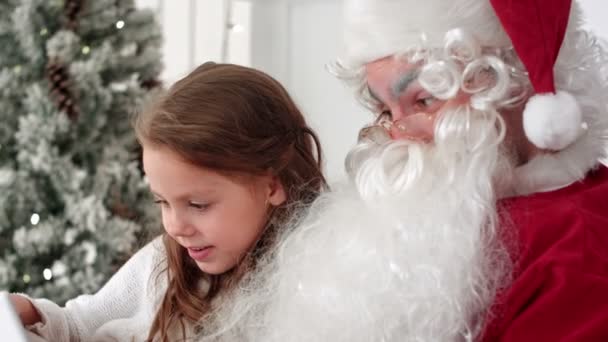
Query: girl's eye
{"points": [[160, 202], [198, 206]]}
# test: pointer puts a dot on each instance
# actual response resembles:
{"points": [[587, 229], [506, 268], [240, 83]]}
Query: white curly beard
{"points": [[406, 251]]}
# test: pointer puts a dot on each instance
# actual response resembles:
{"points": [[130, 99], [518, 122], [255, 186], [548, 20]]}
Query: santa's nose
{"points": [[416, 127]]}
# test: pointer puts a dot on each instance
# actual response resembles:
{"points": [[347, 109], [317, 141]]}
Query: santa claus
{"points": [[476, 206]]}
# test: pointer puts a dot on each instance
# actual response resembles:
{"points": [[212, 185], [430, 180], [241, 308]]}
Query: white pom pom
{"points": [[552, 121]]}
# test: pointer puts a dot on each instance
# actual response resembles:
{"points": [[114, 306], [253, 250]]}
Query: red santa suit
{"points": [[560, 286]]}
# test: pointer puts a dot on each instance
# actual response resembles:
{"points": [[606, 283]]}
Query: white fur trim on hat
{"points": [[552, 121], [379, 28], [374, 29]]}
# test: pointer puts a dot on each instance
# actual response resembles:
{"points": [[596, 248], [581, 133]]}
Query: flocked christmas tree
{"points": [[73, 203]]}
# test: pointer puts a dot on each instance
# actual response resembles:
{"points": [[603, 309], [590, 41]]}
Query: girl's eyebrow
{"points": [[187, 195], [155, 194]]}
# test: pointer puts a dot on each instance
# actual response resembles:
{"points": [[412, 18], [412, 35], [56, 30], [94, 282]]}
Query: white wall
{"points": [[194, 32], [596, 12], [330, 106], [292, 40]]}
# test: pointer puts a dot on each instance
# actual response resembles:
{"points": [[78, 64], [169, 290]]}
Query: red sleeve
{"points": [[560, 288], [561, 305]]}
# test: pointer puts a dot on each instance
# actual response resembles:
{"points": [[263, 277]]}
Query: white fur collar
{"points": [[549, 172]]}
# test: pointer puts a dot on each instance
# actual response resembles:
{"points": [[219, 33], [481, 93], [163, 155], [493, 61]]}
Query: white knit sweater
{"points": [[123, 310]]}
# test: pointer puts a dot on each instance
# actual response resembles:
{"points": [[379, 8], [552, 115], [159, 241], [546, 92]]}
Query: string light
{"points": [[35, 219], [27, 278], [17, 69], [86, 49], [44, 32], [120, 24], [47, 274]]}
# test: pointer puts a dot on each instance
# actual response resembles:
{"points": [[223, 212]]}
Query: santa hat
{"points": [[535, 28]]}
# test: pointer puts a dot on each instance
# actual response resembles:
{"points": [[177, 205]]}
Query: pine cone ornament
{"points": [[150, 84], [59, 81], [122, 210], [72, 9]]}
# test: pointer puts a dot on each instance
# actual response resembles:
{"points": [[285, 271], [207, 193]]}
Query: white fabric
{"points": [[31, 337], [10, 324], [123, 310]]}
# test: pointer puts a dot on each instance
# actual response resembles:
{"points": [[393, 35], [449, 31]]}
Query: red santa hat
{"points": [[535, 28]]}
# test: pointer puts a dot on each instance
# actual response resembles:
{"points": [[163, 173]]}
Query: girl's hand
{"points": [[25, 309]]}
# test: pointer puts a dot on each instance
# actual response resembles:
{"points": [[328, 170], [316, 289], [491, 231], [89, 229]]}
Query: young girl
{"points": [[229, 159]]}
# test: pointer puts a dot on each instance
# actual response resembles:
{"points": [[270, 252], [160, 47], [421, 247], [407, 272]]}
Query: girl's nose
{"points": [[176, 225]]}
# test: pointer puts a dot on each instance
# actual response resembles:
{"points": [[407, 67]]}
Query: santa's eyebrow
{"points": [[404, 82]]}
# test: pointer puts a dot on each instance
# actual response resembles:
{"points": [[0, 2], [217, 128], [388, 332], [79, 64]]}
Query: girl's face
{"points": [[215, 217]]}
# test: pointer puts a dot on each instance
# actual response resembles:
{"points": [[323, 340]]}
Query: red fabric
{"points": [[560, 289], [537, 29]]}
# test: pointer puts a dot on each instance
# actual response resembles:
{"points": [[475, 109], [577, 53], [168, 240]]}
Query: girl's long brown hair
{"points": [[239, 121]]}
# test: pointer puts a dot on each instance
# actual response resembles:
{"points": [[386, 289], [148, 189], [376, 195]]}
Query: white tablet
{"points": [[11, 328]]}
